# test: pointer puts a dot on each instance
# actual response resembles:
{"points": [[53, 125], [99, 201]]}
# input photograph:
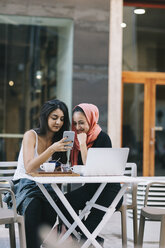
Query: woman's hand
{"points": [[31, 162], [61, 145], [82, 138]]}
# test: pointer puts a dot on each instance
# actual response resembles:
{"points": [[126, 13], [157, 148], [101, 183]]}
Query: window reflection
{"points": [[35, 54], [144, 40], [160, 131], [133, 123]]}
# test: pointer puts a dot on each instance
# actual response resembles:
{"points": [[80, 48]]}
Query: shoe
{"points": [[100, 240]]}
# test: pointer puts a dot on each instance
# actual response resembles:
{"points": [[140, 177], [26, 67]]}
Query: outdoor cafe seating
{"points": [[10, 217], [153, 210]]}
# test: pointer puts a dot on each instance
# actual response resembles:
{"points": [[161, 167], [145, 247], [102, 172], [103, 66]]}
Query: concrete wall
{"points": [[91, 40]]}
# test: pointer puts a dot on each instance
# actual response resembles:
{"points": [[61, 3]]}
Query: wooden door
{"points": [[143, 106]]}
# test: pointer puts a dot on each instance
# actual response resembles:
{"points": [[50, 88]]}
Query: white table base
{"points": [[78, 219]]}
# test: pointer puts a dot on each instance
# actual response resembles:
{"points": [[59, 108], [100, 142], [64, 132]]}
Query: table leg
{"points": [[109, 212], [75, 216], [56, 208], [71, 228], [83, 212]]}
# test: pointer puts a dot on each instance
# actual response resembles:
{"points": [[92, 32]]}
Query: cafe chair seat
{"points": [[152, 212]]}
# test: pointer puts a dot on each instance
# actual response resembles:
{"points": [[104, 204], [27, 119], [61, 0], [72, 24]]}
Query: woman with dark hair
{"points": [[40, 145], [88, 134]]}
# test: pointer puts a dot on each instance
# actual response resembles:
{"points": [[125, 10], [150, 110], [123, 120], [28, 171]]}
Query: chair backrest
{"points": [[5, 190], [7, 170], [155, 195], [130, 170], [130, 194]]}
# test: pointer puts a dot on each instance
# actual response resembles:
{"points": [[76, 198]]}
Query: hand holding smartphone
{"points": [[70, 137]]}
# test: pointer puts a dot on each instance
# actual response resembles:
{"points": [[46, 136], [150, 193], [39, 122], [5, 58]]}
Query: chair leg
{"points": [[141, 231], [162, 232], [124, 225], [12, 235], [22, 237], [1, 202], [135, 225]]}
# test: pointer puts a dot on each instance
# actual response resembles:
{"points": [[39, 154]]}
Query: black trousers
{"points": [[38, 213], [80, 196]]}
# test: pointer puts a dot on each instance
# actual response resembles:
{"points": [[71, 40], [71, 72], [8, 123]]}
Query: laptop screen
{"points": [[106, 161]]}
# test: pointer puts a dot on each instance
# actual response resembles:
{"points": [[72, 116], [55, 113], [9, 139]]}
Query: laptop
{"points": [[106, 161]]}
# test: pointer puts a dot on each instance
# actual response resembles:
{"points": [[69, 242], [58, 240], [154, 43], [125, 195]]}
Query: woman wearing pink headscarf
{"points": [[89, 134]]}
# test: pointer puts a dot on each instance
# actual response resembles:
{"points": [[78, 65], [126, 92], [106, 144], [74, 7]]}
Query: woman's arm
{"points": [[29, 141], [103, 140], [82, 137]]}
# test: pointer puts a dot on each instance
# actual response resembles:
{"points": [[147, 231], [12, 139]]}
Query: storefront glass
{"points": [[144, 40], [35, 57]]}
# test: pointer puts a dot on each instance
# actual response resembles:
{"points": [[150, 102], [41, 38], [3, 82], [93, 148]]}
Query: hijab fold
{"points": [[92, 115]]}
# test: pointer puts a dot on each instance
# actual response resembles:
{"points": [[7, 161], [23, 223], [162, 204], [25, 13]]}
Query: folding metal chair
{"points": [[153, 210]]}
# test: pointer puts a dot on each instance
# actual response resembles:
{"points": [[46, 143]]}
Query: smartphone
{"points": [[70, 136]]}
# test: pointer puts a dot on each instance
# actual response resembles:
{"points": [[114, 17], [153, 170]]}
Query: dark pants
{"points": [[38, 213], [80, 196]]}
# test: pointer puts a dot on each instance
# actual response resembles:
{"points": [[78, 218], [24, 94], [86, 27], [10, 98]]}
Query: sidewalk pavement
{"points": [[112, 235]]}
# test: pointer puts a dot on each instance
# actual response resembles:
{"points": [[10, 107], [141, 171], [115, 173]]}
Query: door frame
{"points": [[149, 80]]}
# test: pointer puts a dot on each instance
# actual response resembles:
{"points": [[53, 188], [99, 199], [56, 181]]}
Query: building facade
{"points": [[71, 50]]}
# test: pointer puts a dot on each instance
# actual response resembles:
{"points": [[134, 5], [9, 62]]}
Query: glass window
{"points": [[160, 131], [35, 66], [144, 40], [133, 122]]}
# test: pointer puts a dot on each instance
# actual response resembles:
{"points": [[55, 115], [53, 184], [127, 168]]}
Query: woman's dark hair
{"points": [[78, 109], [46, 109]]}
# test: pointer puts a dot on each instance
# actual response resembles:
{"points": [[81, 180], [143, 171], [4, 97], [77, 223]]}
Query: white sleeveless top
{"points": [[20, 171]]}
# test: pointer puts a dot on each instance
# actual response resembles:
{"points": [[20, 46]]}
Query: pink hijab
{"points": [[92, 116]]}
